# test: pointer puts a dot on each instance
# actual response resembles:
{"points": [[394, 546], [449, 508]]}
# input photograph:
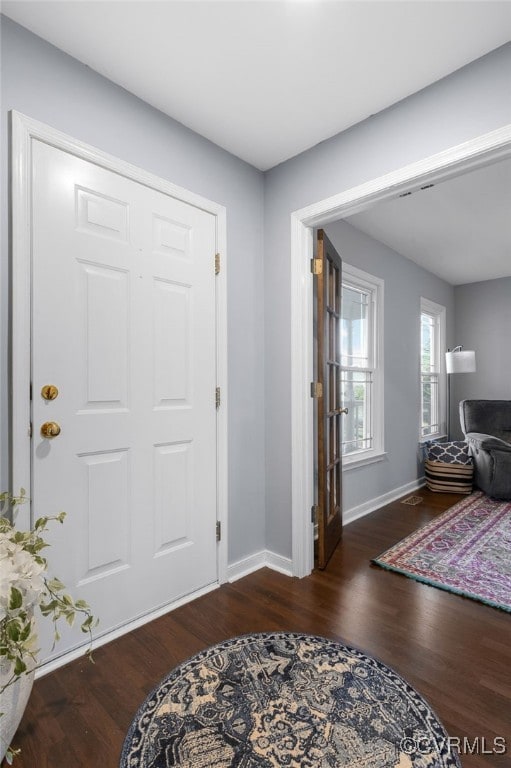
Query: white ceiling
{"points": [[268, 79], [459, 229]]}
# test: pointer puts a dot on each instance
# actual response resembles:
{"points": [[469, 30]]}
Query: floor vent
{"points": [[412, 500]]}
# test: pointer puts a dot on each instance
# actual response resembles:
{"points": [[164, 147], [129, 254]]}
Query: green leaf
{"points": [[87, 624], [16, 629], [19, 667], [10, 754], [55, 585], [47, 608], [16, 599], [25, 633], [13, 632]]}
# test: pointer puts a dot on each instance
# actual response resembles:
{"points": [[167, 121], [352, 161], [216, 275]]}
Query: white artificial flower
{"points": [[19, 569]]}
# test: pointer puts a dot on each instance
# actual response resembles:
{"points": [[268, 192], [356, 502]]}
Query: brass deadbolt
{"points": [[49, 392], [50, 429]]}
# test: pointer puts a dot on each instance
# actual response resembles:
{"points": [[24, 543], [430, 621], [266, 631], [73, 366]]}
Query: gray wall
{"points": [[464, 105], [405, 283], [46, 84], [483, 323]]}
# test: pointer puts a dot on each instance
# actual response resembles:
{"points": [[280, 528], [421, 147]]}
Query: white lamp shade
{"points": [[463, 361]]}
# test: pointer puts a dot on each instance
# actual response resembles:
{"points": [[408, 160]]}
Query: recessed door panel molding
{"points": [[171, 238], [173, 508], [129, 339], [100, 215], [106, 326], [173, 309], [105, 514]]}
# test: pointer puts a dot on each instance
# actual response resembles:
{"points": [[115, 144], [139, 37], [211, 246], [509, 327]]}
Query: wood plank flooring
{"points": [[453, 650]]}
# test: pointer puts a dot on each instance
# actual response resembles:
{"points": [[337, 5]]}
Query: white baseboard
{"points": [[245, 566], [267, 559], [278, 563], [76, 653], [263, 559], [350, 515]]}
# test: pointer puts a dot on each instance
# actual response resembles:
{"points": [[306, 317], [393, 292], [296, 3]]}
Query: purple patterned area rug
{"points": [[467, 550]]}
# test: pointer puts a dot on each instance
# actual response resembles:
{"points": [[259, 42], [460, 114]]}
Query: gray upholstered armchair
{"points": [[487, 428]]}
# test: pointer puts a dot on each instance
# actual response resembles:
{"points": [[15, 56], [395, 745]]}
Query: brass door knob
{"points": [[50, 429], [49, 392]]}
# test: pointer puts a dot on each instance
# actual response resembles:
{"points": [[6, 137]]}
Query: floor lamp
{"points": [[457, 360]]}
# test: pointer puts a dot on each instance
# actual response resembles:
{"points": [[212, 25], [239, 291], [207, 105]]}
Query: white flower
{"points": [[19, 569], [26, 586]]}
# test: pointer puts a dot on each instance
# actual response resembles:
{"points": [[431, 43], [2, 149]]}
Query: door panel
{"points": [[124, 325], [328, 404]]}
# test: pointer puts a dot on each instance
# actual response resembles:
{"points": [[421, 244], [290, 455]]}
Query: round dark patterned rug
{"points": [[285, 700]]}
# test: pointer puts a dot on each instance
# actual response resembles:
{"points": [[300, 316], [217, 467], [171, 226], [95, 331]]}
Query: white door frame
{"points": [[470, 155], [24, 131]]}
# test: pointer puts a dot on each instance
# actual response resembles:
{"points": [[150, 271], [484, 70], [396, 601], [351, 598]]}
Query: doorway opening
{"points": [[470, 155]]}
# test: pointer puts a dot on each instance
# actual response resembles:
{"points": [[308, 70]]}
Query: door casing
{"points": [[470, 155], [24, 131]]}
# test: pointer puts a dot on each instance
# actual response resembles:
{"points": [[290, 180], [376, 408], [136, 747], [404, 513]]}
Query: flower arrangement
{"points": [[25, 585]]}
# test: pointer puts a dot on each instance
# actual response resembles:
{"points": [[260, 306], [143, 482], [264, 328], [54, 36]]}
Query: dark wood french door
{"points": [[327, 269]]}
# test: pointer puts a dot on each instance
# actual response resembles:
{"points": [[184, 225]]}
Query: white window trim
{"points": [[375, 287], [439, 313]]}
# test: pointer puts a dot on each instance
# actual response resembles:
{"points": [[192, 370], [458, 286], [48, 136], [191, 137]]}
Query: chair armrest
{"points": [[487, 442]]}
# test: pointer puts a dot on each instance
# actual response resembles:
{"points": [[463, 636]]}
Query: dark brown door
{"points": [[327, 267]]}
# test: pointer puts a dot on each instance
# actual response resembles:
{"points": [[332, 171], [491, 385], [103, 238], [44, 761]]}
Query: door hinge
{"points": [[316, 389], [30, 429], [317, 266], [218, 530], [314, 514], [217, 397], [217, 263]]}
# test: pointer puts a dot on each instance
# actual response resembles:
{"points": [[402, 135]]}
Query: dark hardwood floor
{"points": [[454, 651]]}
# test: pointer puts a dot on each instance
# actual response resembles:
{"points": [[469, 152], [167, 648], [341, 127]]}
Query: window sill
{"points": [[431, 438], [363, 461]]}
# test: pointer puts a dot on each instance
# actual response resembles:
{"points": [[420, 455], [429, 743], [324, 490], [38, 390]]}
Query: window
{"points": [[432, 336], [361, 366]]}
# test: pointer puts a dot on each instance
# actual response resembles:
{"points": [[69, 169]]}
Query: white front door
{"points": [[123, 325]]}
